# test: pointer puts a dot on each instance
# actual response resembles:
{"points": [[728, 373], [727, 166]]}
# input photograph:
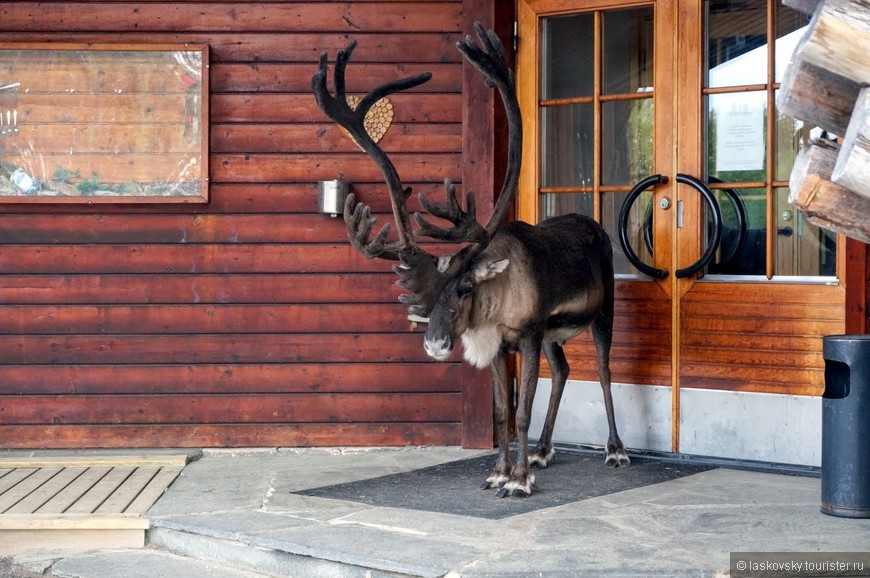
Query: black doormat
{"points": [[454, 487]]}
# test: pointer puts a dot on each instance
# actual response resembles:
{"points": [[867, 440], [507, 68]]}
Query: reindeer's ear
{"points": [[444, 262], [486, 270]]}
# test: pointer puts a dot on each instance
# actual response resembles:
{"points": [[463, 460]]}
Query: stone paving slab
{"points": [[238, 508]]}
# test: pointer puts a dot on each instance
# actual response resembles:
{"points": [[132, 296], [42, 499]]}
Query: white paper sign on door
{"points": [[739, 132]]}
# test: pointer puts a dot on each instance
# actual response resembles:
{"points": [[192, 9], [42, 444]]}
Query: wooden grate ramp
{"points": [[80, 502]]}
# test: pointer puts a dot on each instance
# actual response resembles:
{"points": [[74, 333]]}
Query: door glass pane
{"points": [[627, 141], [790, 26], [639, 228], [742, 249], [791, 136], [628, 50], [737, 140], [567, 145], [736, 42], [567, 56], [802, 249], [555, 204], [736, 136]]}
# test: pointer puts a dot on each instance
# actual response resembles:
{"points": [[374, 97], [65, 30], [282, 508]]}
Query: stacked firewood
{"points": [[826, 84]]}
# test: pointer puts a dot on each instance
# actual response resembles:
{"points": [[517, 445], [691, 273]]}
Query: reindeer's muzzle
{"points": [[438, 348]]}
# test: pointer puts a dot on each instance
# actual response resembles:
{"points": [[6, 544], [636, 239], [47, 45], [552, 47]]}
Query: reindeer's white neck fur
{"points": [[481, 345]]}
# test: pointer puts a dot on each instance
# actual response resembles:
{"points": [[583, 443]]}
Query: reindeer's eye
{"points": [[465, 289]]}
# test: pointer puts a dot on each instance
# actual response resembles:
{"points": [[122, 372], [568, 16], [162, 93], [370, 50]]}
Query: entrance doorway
{"points": [[659, 119]]}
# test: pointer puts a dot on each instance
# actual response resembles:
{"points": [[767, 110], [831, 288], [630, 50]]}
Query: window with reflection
{"points": [[597, 137], [751, 146]]}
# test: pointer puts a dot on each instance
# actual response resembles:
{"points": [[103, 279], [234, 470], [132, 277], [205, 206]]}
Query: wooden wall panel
{"points": [[857, 287], [229, 435], [199, 289], [641, 351], [254, 48], [249, 320], [285, 17], [235, 378], [749, 351]]}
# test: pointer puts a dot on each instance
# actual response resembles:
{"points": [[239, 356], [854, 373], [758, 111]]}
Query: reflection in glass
{"points": [[639, 228], [628, 50], [567, 56], [802, 249], [555, 204], [627, 141], [567, 145], [736, 51], [791, 136], [103, 124], [742, 250], [736, 136], [790, 26]]}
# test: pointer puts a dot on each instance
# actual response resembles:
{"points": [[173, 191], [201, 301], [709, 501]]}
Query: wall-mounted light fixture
{"points": [[331, 196]]}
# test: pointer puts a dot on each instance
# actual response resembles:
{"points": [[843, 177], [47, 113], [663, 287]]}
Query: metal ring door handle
{"points": [[623, 226], [742, 231], [713, 245]]}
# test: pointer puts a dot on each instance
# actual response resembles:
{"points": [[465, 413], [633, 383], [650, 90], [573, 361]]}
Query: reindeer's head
{"points": [[452, 314], [441, 288]]}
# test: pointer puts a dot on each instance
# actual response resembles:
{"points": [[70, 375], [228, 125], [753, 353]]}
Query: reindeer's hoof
{"points": [[616, 457], [541, 458], [518, 488], [494, 481]]}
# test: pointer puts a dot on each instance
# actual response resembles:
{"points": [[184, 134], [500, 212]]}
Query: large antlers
{"points": [[360, 222], [422, 273], [492, 62]]}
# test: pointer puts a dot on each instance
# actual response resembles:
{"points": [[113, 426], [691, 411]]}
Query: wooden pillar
{"points": [[857, 281], [484, 155]]}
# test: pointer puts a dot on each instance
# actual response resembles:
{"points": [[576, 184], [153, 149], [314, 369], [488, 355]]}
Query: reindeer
{"points": [[511, 288]]}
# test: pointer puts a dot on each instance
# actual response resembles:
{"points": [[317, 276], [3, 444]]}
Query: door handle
{"points": [[713, 244], [742, 231], [635, 192]]}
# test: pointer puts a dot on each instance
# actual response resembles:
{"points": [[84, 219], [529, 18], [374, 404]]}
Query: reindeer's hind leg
{"points": [[602, 334], [544, 453]]}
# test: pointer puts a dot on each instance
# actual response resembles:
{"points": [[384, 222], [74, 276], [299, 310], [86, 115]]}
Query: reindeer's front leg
{"points": [[502, 398], [522, 480]]}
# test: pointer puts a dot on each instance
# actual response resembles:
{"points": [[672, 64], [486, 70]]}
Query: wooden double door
{"points": [[659, 119]]}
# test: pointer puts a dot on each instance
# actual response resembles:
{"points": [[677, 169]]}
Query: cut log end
{"points": [[826, 203], [852, 169]]}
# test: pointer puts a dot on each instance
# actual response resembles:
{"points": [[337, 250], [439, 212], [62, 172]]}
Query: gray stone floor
{"points": [[237, 510]]}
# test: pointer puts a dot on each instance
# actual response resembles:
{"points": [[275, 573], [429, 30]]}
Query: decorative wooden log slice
{"points": [[377, 120], [853, 163], [838, 37], [816, 95], [826, 203]]}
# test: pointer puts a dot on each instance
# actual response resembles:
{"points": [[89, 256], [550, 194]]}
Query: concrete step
{"points": [[129, 563], [272, 557]]}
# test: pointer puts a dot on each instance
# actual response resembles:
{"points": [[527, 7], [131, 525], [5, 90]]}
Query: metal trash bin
{"points": [[846, 427]]}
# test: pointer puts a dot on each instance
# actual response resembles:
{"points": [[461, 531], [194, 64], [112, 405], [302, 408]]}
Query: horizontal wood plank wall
{"points": [[752, 350], [641, 351], [250, 320]]}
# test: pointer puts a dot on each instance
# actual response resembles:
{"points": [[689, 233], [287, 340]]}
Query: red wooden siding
{"points": [[857, 287], [641, 350], [250, 320]]}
